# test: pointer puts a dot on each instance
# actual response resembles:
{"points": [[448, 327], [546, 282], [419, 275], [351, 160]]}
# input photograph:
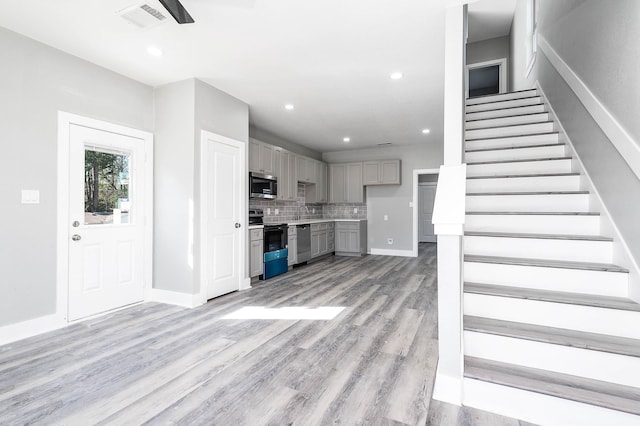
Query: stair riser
{"points": [[523, 184], [528, 203], [595, 365], [497, 113], [538, 408], [536, 248], [505, 104], [501, 97], [512, 141], [506, 121], [497, 132], [520, 168], [543, 278], [516, 154], [543, 224]]}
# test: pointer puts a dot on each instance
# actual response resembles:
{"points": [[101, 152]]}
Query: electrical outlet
{"points": [[355, 210], [268, 211], [389, 240], [277, 211], [313, 211], [386, 217]]}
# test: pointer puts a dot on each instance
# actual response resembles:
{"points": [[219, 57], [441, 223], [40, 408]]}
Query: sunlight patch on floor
{"points": [[323, 313]]}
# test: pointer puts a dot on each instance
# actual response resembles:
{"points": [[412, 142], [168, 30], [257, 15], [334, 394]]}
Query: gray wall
{"points": [[392, 200], [36, 81], [487, 50], [183, 110], [598, 41], [269, 138]]}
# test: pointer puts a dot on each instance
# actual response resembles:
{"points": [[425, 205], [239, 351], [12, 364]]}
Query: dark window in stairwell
{"points": [[484, 81]]}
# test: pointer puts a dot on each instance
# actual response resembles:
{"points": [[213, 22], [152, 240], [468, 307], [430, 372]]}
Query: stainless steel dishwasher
{"points": [[303, 233]]}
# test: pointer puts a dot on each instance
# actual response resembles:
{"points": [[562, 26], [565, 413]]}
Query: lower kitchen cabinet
{"points": [[256, 255], [292, 245], [320, 234], [351, 238]]}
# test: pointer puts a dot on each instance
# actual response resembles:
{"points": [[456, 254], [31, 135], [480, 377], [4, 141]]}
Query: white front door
{"points": [[426, 198], [223, 192], [106, 220]]}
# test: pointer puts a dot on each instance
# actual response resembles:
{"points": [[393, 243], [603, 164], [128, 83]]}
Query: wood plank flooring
{"points": [[374, 363]]}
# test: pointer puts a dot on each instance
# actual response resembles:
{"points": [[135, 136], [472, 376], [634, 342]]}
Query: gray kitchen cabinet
{"points": [[292, 245], [345, 183], [305, 169], [261, 157], [320, 234], [284, 175], [256, 255], [317, 193], [351, 238], [383, 172]]}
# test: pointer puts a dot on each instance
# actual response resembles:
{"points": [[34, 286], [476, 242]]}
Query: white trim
{"points": [[65, 120], [175, 298], [502, 68], [387, 252], [414, 204], [245, 282], [447, 389], [22, 330], [621, 139]]}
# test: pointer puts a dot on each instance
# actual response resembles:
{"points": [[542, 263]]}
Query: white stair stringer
{"points": [[558, 325]]}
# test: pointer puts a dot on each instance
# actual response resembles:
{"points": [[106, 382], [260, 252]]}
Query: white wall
{"points": [[487, 50], [518, 80], [36, 81], [392, 200]]}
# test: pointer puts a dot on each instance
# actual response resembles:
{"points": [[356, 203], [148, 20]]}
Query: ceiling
{"points": [[490, 19], [331, 59]]}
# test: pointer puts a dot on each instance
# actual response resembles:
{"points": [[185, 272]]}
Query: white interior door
{"points": [[223, 193], [106, 221], [426, 198]]}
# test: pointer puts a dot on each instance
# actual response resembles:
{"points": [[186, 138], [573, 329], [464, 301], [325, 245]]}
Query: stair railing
{"points": [[449, 215]]}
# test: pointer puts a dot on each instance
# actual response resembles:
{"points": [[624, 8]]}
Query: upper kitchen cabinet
{"points": [[287, 184], [305, 169], [345, 183], [384, 172], [261, 158]]}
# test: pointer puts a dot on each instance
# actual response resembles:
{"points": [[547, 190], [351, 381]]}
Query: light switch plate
{"points": [[277, 211], [386, 217], [30, 196]]}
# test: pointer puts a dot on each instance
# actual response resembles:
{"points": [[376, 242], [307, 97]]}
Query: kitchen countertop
{"points": [[256, 226], [307, 221]]}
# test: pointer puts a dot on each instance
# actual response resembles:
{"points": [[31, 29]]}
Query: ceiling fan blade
{"points": [[177, 10]]}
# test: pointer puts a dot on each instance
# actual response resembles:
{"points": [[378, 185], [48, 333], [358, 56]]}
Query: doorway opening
{"points": [[424, 188], [486, 78]]}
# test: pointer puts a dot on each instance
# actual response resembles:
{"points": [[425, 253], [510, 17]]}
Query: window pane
{"points": [[106, 188]]}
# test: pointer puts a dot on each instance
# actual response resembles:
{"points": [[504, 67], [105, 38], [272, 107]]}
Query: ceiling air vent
{"points": [[142, 15], [384, 144]]}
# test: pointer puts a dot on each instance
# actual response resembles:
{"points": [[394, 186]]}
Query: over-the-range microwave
{"points": [[263, 186]]}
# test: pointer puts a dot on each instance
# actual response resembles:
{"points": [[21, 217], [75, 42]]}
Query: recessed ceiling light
{"points": [[396, 75], [288, 106], [347, 139], [426, 131], [154, 51]]}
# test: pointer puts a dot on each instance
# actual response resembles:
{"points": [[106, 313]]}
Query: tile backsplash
{"points": [[289, 211]]}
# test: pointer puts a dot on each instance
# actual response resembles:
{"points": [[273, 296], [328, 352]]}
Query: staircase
{"points": [[547, 322]]}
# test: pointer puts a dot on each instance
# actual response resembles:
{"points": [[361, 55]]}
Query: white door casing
{"points": [[502, 66], [102, 267], [426, 198], [415, 203], [223, 236]]}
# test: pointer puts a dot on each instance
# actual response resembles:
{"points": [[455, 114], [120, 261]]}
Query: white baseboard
{"points": [[175, 298], [22, 330], [245, 284], [447, 389], [386, 252], [620, 138]]}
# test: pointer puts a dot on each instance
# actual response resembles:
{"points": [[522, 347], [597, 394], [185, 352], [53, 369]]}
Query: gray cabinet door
{"points": [[337, 183], [254, 157], [315, 244], [256, 258], [267, 159], [293, 250], [371, 172], [355, 189], [284, 176], [390, 172]]}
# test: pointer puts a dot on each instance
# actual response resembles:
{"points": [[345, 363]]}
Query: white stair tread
{"points": [[505, 148], [473, 194], [544, 263], [520, 161], [515, 136], [524, 176], [515, 110], [589, 391], [509, 116], [596, 301], [489, 100], [538, 236]]}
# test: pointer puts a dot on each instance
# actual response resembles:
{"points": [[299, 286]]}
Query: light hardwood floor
{"points": [[374, 363]]}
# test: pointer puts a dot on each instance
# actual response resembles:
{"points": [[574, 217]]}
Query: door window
{"points": [[107, 196]]}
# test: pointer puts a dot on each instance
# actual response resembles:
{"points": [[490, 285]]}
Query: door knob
{"points": [[238, 225], [76, 237], [75, 224]]}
